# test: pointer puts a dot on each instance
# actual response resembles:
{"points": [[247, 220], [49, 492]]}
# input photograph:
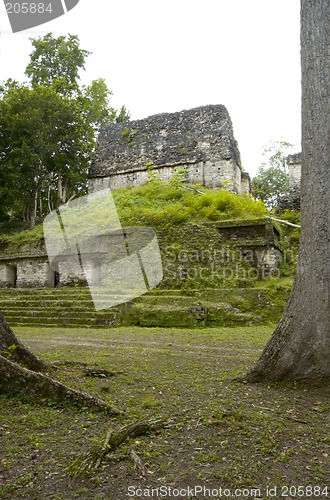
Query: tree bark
{"points": [[17, 380], [12, 347], [33, 210], [300, 346], [29, 382], [61, 191]]}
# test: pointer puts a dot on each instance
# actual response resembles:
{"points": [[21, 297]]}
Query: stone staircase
{"points": [[73, 307]]}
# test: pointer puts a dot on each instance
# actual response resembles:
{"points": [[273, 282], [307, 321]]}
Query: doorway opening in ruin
{"points": [[53, 277], [11, 278], [56, 278]]}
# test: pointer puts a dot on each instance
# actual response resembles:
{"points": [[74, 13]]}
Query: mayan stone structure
{"points": [[294, 166], [291, 200], [200, 140]]}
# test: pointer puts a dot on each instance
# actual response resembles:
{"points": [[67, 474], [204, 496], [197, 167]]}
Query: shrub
{"points": [[160, 204]]}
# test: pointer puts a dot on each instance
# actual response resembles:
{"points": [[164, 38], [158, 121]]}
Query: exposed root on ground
{"points": [[92, 459], [14, 379]]}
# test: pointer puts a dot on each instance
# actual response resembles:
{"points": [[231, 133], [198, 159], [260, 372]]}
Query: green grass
{"points": [[24, 237], [164, 204], [226, 434], [155, 204]]}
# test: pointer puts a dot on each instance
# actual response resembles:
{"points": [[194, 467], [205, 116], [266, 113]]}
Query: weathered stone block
{"points": [[34, 273], [200, 140]]}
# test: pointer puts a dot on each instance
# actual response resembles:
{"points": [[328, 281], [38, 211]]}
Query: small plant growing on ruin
{"points": [[152, 173], [128, 135], [179, 176]]}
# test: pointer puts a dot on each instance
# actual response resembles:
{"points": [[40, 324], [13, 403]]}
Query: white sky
{"points": [[164, 56]]}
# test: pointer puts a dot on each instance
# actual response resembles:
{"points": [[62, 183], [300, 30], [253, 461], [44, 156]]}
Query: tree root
{"points": [[14, 379], [92, 459], [11, 347]]}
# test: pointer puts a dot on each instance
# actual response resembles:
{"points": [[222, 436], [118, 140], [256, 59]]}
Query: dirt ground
{"points": [[219, 438]]}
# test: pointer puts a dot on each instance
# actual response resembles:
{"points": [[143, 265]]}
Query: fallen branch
{"points": [[92, 459], [104, 449]]}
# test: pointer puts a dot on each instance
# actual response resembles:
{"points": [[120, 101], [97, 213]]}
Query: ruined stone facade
{"points": [[200, 140], [211, 250], [294, 165], [26, 267], [291, 200]]}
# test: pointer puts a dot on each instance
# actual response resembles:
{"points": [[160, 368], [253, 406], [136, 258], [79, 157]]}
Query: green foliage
{"points": [[25, 237], [8, 353], [56, 62], [154, 204], [272, 180], [153, 174], [290, 234], [42, 137], [48, 129], [179, 176], [160, 204], [128, 135], [122, 115], [292, 216]]}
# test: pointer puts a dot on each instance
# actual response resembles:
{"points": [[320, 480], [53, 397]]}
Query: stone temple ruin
{"points": [[199, 140], [291, 200]]}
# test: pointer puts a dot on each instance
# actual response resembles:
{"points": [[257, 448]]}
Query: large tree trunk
{"points": [[300, 346], [29, 382], [11, 347]]}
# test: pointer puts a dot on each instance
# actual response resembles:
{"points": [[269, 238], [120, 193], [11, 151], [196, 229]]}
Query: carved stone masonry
{"points": [[199, 140]]}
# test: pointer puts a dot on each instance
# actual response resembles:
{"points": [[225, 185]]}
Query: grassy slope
{"points": [[156, 204]]}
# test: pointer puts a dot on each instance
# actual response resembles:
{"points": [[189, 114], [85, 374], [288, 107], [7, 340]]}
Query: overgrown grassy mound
{"points": [[165, 204], [155, 204], [22, 237]]}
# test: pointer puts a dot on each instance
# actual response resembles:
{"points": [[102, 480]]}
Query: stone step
{"points": [[51, 313], [44, 321], [188, 308]]}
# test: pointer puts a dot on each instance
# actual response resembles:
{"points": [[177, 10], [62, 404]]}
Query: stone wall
{"points": [[294, 165], [33, 272], [291, 200], [200, 140], [207, 255]]}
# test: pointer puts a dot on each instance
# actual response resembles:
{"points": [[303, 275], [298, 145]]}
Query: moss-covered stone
{"points": [[193, 308]]}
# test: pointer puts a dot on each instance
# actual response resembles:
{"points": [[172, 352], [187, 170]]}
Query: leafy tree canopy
{"points": [[272, 179], [56, 62], [48, 128]]}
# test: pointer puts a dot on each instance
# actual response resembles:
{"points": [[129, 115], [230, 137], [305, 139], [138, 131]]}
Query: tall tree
{"points": [[272, 179], [48, 128], [42, 139], [56, 62], [300, 346]]}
